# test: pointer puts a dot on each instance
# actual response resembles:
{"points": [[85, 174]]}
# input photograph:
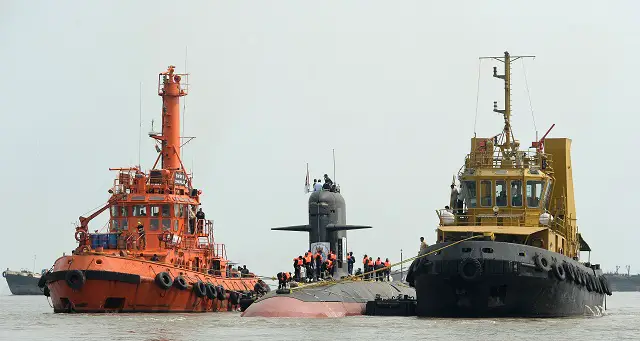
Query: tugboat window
{"points": [[166, 210], [516, 193], [114, 211], [166, 224], [124, 211], [125, 224], [115, 226], [534, 191], [485, 193], [175, 225], [154, 224], [501, 193], [469, 193], [547, 195], [155, 211], [139, 210]]}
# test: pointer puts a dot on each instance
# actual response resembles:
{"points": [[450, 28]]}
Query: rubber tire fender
{"points": [[180, 283], [410, 275], [567, 271], [605, 285], [75, 279], [476, 266], [199, 289], [542, 263], [221, 293], [211, 291], [163, 280], [4, 274], [42, 281], [589, 283], [234, 297], [46, 292], [558, 270]]}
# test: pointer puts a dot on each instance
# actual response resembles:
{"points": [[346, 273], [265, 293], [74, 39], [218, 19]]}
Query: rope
{"points": [[529, 95], [475, 120], [352, 278]]}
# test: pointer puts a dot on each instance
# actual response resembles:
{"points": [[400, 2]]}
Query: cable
{"points": [[529, 95], [475, 120]]}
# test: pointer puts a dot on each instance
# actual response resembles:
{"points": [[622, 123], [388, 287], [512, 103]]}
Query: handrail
{"points": [[517, 218], [494, 159]]}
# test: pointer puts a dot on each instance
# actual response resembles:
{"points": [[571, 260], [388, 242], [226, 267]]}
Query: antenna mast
{"points": [[506, 112], [334, 165], [140, 126]]}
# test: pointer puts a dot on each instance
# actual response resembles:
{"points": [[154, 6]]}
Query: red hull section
{"points": [[114, 284], [291, 307]]}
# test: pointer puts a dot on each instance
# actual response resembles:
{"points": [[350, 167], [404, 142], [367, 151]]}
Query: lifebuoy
{"points": [[200, 289], [180, 283], [470, 269], [75, 279], [558, 270], [80, 236], [221, 293], [163, 280], [211, 291], [541, 263]]}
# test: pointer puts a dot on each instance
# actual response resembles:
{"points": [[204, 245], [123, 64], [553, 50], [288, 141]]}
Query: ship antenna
{"points": [[334, 165], [507, 59], [184, 100], [140, 125]]}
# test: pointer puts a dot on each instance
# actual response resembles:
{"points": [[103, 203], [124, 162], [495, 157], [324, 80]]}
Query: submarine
{"points": [[327, 229]]}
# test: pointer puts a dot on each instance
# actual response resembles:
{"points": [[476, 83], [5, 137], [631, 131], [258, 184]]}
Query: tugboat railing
{"points": [[480, 159]]}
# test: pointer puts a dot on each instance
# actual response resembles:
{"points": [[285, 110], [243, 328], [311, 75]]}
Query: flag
{"points": [[307, 184]]}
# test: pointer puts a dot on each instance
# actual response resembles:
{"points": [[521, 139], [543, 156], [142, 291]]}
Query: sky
{"points": [[391, 86]]}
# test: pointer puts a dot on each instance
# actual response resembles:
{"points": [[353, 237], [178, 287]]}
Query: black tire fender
{"points": [[211, 291], [221, 293], [163, 280], [42, 281], [470, 269], [567, 271], [75, 279], [180, 283], [199, 289], [558, 270], [542, 263]]}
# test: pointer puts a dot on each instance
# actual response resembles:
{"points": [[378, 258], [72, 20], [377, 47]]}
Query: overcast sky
{"points": [[391, 86]]}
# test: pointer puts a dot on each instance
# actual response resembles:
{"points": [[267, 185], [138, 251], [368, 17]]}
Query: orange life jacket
{"points": [[348, 257], [329, 264], [371, 263], [307, 258], [287, 275], [365, 260], [299, 262], [332, 256], [387, 264], [378, 262]]}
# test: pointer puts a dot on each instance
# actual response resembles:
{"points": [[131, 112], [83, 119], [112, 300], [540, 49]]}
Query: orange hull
{"points": [[119, 284]]}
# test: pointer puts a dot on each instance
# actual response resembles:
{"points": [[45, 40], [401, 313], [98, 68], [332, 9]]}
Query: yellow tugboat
{"points": [[513, 222]]}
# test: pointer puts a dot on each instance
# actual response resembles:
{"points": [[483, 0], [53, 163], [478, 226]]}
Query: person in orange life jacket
{"points": [[327, 267], [371, 265], [350, 262], [287, 278], [377, 266], [387, 271], [318, 259], [308, 264], [365, 265], [333, 258], [297, 263], [141, 237], [281, 280]]}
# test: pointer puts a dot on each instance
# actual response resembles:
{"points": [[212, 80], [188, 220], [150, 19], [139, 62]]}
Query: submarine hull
{"points": [[496, 279], [325, 300]]}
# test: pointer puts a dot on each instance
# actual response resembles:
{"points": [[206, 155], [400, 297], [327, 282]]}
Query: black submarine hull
{"points": [[497, 279], [323, 300]]}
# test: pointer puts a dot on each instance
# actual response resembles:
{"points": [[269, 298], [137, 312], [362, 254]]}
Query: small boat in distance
{"points": [[23, 282], [510, 237], [159, 255]]}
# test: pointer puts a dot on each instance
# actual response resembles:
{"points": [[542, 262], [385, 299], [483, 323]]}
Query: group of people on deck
{"points": [[327, 186]]}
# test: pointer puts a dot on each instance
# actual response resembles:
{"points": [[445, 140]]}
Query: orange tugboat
{"points": [[159, 255]]}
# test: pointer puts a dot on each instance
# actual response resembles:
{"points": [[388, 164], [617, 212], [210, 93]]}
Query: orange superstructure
{"points": [[159, 254]]}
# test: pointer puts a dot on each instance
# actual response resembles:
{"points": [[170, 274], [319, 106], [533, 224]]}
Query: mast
{"points": [[507, 59], [170, 89]]}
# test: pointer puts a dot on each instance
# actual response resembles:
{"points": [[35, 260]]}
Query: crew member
{"points": [[350, 262], [371, 265], [423, 245], [377, 266], [333, 258], [387, 271], [192, 219], [281, 282], [141, 238], [200, 219], [308, 264], [155, 258], [287, 278], [296, 267], [327, 267], [261, 288], [318, 263], [365, 265]]}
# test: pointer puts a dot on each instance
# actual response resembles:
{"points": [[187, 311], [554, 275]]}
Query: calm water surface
{"points": [[31, 318]]}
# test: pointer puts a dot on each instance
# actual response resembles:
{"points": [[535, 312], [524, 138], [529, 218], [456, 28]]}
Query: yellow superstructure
{"points": [[520, 196]]}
